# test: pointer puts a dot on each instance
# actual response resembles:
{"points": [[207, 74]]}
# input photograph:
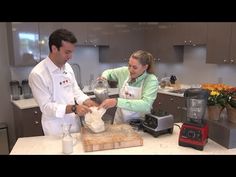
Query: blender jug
{"points": [[15, 89], [100, 89], [196, 102], [27, 93]]}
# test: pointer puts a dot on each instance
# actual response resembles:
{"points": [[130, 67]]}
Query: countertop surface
{"points": [[25, 103], [166, 144], [31, 103]]}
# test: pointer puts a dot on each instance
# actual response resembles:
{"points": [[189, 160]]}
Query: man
{"points": [[54, 86]]}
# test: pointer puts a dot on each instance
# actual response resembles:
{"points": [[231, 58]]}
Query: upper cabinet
{"points": [[23, 43], [232, 56], [189, 33], [45, 29], [124, 39], [221, 42], [159, 42], [89, 33], [28, 42], [98, 33]]}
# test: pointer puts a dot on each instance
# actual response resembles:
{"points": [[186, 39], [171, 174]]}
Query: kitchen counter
{"points": [[25, 103], [31, 103], [164, 91], [164, 144]]}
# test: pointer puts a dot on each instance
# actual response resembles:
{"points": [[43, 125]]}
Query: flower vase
{"points": [[231, 113], [214, 112]]}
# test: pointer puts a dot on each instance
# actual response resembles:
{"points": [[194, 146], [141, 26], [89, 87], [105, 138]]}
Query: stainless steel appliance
{"points": [[15, 89], [158, 123], [26, 90], [100, 88]]}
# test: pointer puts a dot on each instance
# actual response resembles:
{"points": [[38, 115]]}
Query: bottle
{"points": [[67, 139]]}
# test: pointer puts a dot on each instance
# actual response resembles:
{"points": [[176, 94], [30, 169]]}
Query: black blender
{"points": [[194, 132]]}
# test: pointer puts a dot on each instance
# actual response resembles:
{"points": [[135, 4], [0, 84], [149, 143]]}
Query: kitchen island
{"points": [[166, 144]]}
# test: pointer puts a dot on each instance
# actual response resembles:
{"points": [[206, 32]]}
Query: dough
{"points": [[94, 120]]}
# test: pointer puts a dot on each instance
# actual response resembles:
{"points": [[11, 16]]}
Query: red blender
{"points": [[194, 132]]}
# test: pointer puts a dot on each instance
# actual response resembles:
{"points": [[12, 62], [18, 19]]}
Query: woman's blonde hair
{"points": [[144, 58]]}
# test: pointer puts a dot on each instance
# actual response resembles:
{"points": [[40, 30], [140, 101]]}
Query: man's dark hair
{"points": [[60, 35]]}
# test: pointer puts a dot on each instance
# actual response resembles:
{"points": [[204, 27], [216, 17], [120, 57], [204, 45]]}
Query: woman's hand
{"points": [[108, 103], [90, 103]]}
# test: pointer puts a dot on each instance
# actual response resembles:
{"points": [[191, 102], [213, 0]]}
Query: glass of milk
{"points": [[68, 141]]}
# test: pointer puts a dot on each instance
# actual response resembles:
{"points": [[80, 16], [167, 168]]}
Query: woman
{"points": [[138, 87]]}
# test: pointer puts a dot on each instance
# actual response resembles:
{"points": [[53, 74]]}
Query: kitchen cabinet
{"points": [[218, 42], [4, 139], [174, 105], [45, 29], [89, 33], [159, 42], [27, 122], [232, 57], [124, 39], [189, 33], [23, 43], [221, 43], [28, 42]]}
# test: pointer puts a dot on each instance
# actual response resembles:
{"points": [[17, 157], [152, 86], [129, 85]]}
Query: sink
{"points": [[179, 91]]}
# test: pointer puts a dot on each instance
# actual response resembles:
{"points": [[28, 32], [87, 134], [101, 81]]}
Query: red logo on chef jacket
{"points": [[64, 82]]}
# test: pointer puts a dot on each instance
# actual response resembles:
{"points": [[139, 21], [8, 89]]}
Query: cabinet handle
{"points": [[231, 61], [178, 107], [36, 122], [172, 99], [35, 112], [224, 61], [158, 59], [159, 103]]}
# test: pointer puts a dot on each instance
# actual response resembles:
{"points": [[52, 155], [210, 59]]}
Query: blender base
{"points": [[193, 135]]}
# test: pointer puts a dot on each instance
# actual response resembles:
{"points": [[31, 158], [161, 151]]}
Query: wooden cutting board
{"points": [[116, 136]]}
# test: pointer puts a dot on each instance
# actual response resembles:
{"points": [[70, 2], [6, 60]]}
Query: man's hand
{"points": [[108, 103], [82, 110], [90, 103]]}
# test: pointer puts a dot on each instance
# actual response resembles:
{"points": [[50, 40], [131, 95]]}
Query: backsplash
{"points": [[20, 73], [193, 70]]}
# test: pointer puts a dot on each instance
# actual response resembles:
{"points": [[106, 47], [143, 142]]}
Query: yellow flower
{"points": [[214, 93]]}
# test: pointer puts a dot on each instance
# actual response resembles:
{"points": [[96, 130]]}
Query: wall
{"points": [[6, 113], [86, 57], [194, 69]]}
